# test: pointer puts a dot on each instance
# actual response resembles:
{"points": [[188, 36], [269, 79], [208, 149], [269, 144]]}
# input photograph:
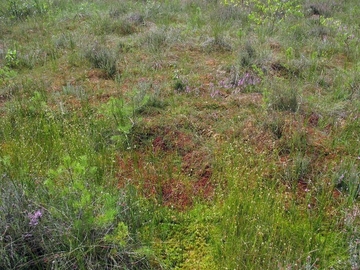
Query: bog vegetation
{"points": [[195, 134]]}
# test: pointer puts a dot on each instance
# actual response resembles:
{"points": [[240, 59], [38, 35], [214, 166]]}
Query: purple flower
{"points": [[241, 82], [214, 93], [246, 80], [35, 217]]}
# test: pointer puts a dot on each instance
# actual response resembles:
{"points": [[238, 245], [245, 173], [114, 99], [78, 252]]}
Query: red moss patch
{"points": [[169, 140], [204, 187], [150, 171], [3, 99], [176, 194], [159, 144], [313, 119], [195, 163], [95, 75]]}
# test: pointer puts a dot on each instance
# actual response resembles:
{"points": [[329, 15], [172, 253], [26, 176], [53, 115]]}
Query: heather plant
{"points": [[66, 231], [246, 82], [17, 245]]}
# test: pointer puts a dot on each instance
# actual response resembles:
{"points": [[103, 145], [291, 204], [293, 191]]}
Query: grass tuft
{"points": [[104, 59], [284, 100]]}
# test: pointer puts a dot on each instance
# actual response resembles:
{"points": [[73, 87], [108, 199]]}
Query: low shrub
{"points": [[38, 232]]}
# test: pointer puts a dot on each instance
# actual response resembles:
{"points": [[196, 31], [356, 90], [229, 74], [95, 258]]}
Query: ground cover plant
{"points": [[195, 134]]}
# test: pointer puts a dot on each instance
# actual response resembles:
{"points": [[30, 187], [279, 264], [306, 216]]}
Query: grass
{"points": [[179, 134]]}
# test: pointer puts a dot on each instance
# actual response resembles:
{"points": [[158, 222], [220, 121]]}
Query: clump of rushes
{"points": [[216, 44], [155, 40], [248, 55], [102, 58], [284, 100], [121, 27]]}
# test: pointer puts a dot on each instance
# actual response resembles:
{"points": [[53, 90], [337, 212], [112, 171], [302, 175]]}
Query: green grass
{"points": [[179, 134]]}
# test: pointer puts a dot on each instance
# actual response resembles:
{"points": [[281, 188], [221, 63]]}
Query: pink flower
{"points": [[34, 218]]}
